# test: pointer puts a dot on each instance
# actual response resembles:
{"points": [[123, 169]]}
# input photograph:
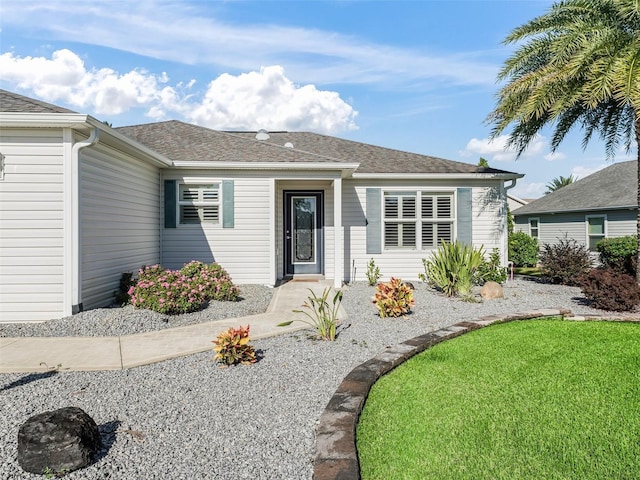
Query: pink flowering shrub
{"points": [[181, 291]]}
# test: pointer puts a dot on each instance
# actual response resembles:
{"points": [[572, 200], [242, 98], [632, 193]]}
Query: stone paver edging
{"points": [[336, 455]]}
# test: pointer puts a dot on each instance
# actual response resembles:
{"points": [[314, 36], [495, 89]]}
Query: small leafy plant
{"points": [[393, 298], [609, 289], [232, 347], [565, 262], [122, 294], [490, 270], [523, 249], [323, 317], [373, 273]]}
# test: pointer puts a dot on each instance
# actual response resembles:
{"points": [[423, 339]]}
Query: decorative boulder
{"points": [[491, 290], [59, 441]]}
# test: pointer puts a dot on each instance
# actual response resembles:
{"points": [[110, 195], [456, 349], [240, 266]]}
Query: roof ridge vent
{"points": [[262, 134], [288, 145]]}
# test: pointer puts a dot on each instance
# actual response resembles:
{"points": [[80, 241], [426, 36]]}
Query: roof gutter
{"points": [[440, 176], [347, 169]]}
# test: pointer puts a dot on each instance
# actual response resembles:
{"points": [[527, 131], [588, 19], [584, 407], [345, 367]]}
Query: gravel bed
{"points": [[115, 321], [188, 418]]}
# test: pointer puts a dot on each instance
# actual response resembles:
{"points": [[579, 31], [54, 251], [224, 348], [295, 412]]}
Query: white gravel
{"points": [[188, 418]]}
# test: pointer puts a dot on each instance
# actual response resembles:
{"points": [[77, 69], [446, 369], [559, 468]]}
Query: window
{"points": [[400, 219], [417, 220], [437, 219], [595, 231], [534, 227], [199, 203]]}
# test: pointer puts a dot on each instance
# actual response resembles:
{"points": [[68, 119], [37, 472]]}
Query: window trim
{"points": [[418, 220], [588, 235], [200, 203], [537, 235]]}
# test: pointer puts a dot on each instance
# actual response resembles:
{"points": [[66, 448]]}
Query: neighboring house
{"points": [[81, 203], [514, 202], [601, 205]]}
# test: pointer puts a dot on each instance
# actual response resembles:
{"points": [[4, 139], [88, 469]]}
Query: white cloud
{"points": [[496, 150], [65, 78], [268, 99], [528, 190], [264, 99], [553, 156]]}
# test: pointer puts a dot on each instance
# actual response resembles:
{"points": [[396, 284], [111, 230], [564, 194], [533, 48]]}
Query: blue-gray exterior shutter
{"points": [[464, 216], [374, 220], [170, 206], [227, 204]]}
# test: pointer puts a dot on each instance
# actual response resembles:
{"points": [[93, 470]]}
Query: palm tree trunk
{"points": [[638, 213]]}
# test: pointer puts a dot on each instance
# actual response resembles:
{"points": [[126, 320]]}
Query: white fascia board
{"points": [[43, 120], [573, 210], [346, 168], [438, 176]]}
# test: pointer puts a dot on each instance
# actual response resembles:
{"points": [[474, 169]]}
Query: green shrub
{"points": [[610, 289], [373, 273], [523, 249], [181, 291], [232, 347], [322, 316], [452, 268], [491, 270], [565, 262], [393, 298], [619, 253]]}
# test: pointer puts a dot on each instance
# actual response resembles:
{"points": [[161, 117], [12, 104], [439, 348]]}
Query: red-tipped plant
{"points": [[232, 347]]}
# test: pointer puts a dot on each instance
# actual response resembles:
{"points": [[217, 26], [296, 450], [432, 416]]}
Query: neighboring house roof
{"points": [[181, 141], [513, 200], [613, 187], [13, 102]]}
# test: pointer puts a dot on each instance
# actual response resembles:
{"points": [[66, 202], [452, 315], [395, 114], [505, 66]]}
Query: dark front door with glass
{"points": [[303, 239]]}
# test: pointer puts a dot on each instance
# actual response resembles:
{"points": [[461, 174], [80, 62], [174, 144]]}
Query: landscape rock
{"points": [[491, 290], [58, 441]]}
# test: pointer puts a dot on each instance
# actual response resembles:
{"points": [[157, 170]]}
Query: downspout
{"points": [[76, 260], [505, 238]]}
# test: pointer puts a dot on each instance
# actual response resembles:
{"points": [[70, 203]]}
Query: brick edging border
{"points": [[336, 454]]}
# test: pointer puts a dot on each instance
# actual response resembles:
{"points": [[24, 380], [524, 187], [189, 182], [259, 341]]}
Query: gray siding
{"points": [[554, 227], [119, 220], [32, 225]]}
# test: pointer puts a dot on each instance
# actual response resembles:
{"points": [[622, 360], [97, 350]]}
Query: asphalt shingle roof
{"points": [[613, 187], [182, 141], [15, 103]]}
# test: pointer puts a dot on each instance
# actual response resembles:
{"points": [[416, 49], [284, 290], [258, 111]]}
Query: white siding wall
{"points": [[119, 220], [621, 223], [245, 250], [488, 224], [31, 225]]}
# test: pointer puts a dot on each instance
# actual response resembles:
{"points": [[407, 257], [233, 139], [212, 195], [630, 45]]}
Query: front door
{"points": [[303, 240]]}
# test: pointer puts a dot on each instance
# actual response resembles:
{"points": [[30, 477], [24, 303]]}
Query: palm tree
{"points": [[579, 63], [559, 182]]}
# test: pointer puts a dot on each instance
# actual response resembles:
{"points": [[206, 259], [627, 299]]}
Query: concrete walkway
{"points": [[40, 354]]}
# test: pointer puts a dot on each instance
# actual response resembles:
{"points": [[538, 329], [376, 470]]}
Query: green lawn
{"points": [[545, 399]]}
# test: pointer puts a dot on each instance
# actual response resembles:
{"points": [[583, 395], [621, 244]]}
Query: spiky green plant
{"points": [[323, 317], [452, 268]]}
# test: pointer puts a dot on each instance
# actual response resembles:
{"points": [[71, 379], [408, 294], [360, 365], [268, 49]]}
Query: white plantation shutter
{"points": [[199, 203]]}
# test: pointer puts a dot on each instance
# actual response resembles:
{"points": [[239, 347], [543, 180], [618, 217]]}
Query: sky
{"points": [[418, 76]]}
